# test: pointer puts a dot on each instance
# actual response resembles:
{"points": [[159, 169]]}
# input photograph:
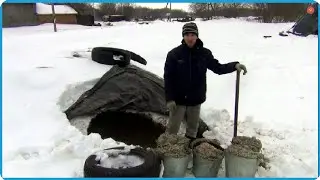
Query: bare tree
{"points": [[177, 13], [81, 8], [126, 9], [200, 9], [145, 13], [280, 12], [108, 8], [232, 9], [214, 8]]}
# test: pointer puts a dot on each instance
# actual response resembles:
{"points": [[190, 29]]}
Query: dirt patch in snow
{"points": [[173, 145], [241, 151], [209, 152], [248, 142], [247, 147]]}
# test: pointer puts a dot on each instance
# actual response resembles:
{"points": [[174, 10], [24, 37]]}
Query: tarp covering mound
{"points": [[308, 24], [122, 89]]}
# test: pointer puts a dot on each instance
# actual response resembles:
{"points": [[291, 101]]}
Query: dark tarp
{"points": [[308, 24], [121, 89], [128, 88]]}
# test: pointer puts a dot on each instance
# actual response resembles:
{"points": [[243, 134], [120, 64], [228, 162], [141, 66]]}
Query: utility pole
{"points": [[213, 10], [208, 7], [170, 13], [122, 10], [54, 18], [94, 12]]}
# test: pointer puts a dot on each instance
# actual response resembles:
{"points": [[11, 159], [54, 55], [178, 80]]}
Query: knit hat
{"points": [[190, 28]]}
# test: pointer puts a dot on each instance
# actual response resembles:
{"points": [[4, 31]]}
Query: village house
{"points": [[28, 14]]}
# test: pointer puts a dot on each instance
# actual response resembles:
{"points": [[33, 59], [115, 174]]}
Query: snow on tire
{"points": [[150, 165]]}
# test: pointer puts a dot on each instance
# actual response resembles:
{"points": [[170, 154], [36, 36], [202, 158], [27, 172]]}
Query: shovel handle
{"points": [[236, 105]]}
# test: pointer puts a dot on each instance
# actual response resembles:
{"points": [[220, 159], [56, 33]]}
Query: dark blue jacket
{"points": [[185, 73]]}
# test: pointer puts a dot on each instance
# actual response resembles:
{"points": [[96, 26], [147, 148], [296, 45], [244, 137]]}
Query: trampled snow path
{"points": [[278, 96]]}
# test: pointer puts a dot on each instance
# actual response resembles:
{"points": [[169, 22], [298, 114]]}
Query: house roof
{"points": [[42, 8]]}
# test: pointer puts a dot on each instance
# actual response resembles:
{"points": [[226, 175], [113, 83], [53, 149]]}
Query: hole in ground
{"points": [[130, 128]]}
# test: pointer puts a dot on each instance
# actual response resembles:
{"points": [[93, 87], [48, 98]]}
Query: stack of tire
{"points": [[107, 55], [151, 166]]}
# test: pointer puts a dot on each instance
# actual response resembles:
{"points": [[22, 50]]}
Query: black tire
{"points": [[150, 168], [104, 55], [137, 58]]}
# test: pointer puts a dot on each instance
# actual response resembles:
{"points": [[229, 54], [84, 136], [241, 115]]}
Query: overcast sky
{"points": [[184, 6]]}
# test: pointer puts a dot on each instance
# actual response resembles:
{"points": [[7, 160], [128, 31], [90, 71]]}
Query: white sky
{"points": [[183, 6]]}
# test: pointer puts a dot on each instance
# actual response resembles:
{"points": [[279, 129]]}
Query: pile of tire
{"points": [[151, 166], [106, 55]]}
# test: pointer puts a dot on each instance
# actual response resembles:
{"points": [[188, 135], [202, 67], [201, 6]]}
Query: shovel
{"points": [[238, 166], [236, 105]]}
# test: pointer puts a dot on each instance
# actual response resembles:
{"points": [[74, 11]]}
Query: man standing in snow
{"points": [[185, 80]]}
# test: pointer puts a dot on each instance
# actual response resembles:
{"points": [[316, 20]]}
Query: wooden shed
{"points": [[18, 14], [64, 14]]}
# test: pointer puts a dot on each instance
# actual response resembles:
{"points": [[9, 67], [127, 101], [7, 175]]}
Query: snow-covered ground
{"points": [[278, 96]]}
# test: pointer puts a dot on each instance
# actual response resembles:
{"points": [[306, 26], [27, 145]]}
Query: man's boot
{"points": [[191, 140]]}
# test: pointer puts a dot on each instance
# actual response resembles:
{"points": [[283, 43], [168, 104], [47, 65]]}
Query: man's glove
{"points": [[240, 67], [171, 105]]}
